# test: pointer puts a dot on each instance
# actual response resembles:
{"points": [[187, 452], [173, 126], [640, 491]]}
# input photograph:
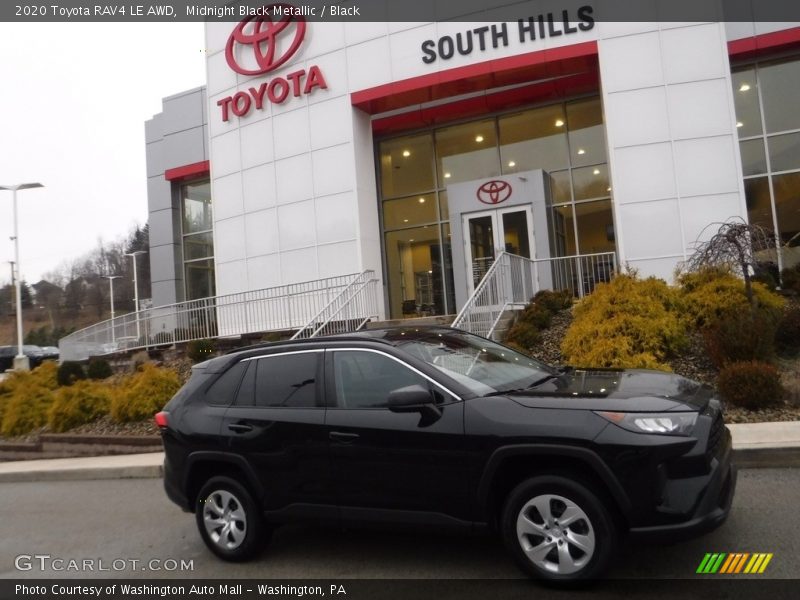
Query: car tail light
{"points": [[162, 419]]}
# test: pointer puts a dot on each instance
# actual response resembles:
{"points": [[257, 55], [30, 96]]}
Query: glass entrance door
{"points": [[488, 233]]}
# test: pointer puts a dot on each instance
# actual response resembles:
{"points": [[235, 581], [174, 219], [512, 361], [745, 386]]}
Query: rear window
{"points": [[223, 390]]}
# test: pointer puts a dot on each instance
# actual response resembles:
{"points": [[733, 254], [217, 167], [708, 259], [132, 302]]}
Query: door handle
{"points": [[240, 427], [343, 437]]}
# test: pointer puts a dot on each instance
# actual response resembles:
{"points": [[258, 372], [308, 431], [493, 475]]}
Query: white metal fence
{"points": [[513, 280], [313, 307]]}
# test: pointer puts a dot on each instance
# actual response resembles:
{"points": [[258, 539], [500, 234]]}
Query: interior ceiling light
{"points": [[581, 151], [739, 124], [511, 163], [608, 189], [596, 171], [559, 123], [405, 220], [447, 175], [479, 138], [406, 153], [422, 200], [744, 87]]}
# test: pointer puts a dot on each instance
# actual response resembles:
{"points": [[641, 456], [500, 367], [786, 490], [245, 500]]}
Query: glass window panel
{"points": [[754, 161], [787, 204], [784, 152], [444, 207], [467, 152], [198, 245], [197, 214], [407, 165], [562, 227], [365, 379], [199, 279], [534, 139], [288, 381], [780, 90], [410, 258], [516, 238], [595, 227], [405, 212], [587, 136], [560, 187], [759, 207], [591, 182], [745, 97]]}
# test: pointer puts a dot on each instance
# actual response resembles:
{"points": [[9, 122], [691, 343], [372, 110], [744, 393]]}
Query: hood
{"points": [[618, 389]]}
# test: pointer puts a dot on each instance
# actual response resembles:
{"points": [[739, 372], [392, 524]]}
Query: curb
{"points": [[86, 474], [744, 458]]}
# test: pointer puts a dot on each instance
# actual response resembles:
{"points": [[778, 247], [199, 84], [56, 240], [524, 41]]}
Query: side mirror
{"points": [[415, 398], [409, 399]]}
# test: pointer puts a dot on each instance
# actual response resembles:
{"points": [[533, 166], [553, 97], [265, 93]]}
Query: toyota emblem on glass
{"points": [[263, 37], [494, 192]]}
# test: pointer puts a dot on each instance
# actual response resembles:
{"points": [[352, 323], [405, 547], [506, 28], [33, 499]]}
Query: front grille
{"points": [[716, 432]]}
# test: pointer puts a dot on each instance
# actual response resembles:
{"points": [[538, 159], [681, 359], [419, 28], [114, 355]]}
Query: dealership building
{"points": [[418, 152]]}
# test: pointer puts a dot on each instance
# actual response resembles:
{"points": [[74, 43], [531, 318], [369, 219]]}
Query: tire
{"points": [[229, 520], [533, 529]]}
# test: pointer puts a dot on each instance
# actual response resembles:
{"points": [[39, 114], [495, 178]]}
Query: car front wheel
{"points": [[558, 529], [229, 520]]}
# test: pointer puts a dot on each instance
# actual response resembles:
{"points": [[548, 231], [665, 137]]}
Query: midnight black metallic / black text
{"points": [[530, 29]]}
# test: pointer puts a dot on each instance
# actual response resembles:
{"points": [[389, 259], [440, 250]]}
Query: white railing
{"points": [[286, 307], [513, 280], [350, 310]]}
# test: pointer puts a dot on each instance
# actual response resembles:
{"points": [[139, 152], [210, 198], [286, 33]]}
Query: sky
{"points": [[73, 101]]}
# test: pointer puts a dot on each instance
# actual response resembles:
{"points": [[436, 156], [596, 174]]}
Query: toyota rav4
{"points": [[437, 427]]}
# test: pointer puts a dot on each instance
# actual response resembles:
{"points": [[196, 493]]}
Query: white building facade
{"points": [[420, 151]]}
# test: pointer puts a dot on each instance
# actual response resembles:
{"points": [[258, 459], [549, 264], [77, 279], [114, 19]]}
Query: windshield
{"points": [[480, 365]]}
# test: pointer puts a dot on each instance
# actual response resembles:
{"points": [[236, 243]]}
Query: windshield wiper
{"points": [[536, 383]]}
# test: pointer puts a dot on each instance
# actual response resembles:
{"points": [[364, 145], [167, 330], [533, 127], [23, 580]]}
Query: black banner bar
{"points": [[708, 588], [398, 10]]}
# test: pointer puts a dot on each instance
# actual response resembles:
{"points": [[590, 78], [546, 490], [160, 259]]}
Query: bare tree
{"points": [[735, 246]]}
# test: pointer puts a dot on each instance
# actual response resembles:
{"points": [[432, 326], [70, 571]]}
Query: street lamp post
{"points": [[21, 362], [111, 279], [133, 256]]}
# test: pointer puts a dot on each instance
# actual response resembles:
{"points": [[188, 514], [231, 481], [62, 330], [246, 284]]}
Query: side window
{"points": [[223, 390], [288, 380], [365, 379]]}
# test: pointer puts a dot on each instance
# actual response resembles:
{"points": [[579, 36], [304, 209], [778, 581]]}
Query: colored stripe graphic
{"points": [[722, 563]]}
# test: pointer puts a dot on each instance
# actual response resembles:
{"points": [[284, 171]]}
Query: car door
{"points": [[278, 425], [388, 461]]}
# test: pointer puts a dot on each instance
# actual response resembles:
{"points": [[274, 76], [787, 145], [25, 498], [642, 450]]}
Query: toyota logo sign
{"points": [[262, 37], [494, 192]]}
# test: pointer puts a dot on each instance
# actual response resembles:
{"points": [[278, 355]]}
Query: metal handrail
{"points": [[284, 307], [513, 280], [347, 297]]}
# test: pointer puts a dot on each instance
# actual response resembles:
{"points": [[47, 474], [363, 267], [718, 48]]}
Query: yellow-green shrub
{"points": [[26, 409], [80, 403], [714, 294], [25, 397], [142, 394], [627, 323]]}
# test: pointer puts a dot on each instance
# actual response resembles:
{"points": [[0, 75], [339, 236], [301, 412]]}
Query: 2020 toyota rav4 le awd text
{"points": [[436, 427]]}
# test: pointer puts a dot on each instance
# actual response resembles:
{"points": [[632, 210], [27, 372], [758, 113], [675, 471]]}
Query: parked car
{"points": [[50, 352], [436, 427], [7, 354]]}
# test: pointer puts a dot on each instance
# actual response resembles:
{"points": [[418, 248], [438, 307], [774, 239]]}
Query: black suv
{"points": [[438, 427]]}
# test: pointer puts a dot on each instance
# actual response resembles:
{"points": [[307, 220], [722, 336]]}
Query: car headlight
{"points": [[680, 423]]}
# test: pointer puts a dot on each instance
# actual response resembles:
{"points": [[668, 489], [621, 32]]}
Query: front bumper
{"points": [[712, 509]]}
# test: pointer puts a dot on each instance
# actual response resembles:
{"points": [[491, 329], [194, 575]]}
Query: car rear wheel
{"points": [[558, 529], [229, 520]]}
